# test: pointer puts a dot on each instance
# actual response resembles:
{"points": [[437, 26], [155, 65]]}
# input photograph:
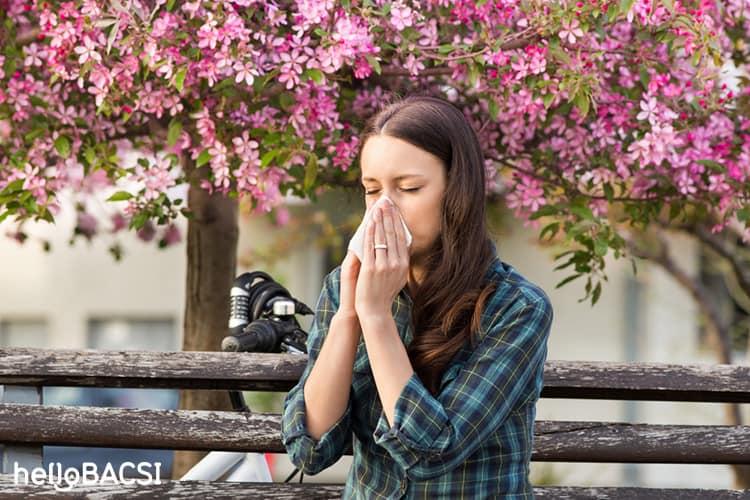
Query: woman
{"points": [[431, 355]]}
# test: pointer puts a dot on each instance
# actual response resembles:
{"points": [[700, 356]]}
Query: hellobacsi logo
{"points": [[143, 473]]}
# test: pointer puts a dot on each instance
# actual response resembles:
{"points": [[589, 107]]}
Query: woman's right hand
{"points": [[349, 273]]}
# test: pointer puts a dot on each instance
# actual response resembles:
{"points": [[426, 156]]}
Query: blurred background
{"points": [[77, 296]]}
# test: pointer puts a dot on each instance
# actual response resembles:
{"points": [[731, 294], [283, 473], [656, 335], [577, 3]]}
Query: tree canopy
{"points": [[595, 116]]}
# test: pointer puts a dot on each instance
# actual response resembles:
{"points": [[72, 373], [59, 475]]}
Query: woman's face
{"points": [[413, 179]]}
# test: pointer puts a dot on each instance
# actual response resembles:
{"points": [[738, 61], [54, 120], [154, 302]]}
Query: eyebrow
{"points": [[395, 178]]}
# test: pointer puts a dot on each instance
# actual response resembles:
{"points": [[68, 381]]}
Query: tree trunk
{"points": [[211, 266]]}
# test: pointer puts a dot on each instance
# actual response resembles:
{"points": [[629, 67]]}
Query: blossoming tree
{"points": [[597, 117]]}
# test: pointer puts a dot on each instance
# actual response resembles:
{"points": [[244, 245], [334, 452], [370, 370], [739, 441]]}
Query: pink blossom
{"points": [[171, 235], [570, 30], [648, 110], [291, 69], [119, 222], [156, 178], [401, 16], [147, 232], [526, 195], [413, 64], [86, 225], [87, 51], [246, 72]]}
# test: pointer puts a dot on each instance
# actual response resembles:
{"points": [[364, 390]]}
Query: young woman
{"points": [[429, 355]]}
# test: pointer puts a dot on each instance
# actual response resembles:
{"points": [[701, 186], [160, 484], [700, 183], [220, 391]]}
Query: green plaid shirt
{"points": [[474, 440]]}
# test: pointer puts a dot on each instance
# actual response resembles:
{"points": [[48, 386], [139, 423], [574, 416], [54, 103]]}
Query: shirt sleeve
{"points": [[310, 455], [432, 435]]}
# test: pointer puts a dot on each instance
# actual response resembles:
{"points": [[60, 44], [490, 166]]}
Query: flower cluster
{"points": [[586, 103]]}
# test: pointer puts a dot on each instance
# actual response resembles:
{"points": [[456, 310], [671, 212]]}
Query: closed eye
{"points": [[375, 191]]}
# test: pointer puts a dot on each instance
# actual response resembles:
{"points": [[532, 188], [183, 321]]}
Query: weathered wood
{"points": [[709, 383], [641, 443], [319, 491], [173, 370], [279, 372], [260, 432], [24, 455]]}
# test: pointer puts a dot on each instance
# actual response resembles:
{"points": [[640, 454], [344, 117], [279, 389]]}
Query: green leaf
{"points": [[139, 220], [669, 4], [696, 57], [582, 212], [62, 145], [548, 98], [311, 172], [268, 157], [582, 103], [174, 131], [601, 247], [112, 35], [89, 154], [473, 74], [712, 164], [626, 5], [551, 229], [203, 158], [374, 63], [286, 100], [597, 293], [170, 5], [120, 196], [544, 210], [179, 79], [568, 280], [38, 101], [645, 77], [29, 137], [316, 75], [494, 109]]}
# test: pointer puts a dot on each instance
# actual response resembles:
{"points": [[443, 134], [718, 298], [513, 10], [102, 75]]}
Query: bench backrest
{"points": [[26, 425]]}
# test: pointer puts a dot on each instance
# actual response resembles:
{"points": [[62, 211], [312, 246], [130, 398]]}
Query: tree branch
{"points": [[694, 287], [517, 42], [727, 251]]}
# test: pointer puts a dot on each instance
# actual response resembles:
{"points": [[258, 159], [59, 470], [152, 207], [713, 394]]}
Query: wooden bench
{"points": [[26, 426]]}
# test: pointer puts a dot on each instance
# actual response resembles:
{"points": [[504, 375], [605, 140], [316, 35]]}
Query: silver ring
{"points": [[381, 245]]}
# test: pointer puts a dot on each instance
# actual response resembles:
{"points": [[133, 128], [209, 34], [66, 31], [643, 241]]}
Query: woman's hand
{"points": [[384, 272], [349, 272]]}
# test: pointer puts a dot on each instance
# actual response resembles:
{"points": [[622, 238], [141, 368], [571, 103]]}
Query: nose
{"points": [[390, 197]]}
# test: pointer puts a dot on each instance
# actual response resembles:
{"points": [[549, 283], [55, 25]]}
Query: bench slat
{"points": [[279, 372], [319, 491], [260, 432]]}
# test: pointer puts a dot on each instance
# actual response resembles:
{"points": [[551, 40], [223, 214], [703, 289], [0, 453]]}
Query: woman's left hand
{"points": [[384, 272]]}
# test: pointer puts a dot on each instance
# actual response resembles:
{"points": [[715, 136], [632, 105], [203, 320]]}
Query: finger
{"points": [[403, 250], [381, 254], [390, 235], [368, 251]]}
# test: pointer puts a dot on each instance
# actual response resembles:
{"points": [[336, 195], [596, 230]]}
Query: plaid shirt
{"points": [[474, 440]]}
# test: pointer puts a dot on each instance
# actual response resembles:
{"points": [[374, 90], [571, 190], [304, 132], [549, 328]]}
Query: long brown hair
{"points": [[448, 304]]}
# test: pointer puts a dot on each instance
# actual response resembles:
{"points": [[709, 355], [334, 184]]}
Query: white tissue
{"points": [[357, 243]]}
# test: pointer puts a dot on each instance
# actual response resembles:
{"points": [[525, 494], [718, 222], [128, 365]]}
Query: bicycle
{"points": [[261, 319]]}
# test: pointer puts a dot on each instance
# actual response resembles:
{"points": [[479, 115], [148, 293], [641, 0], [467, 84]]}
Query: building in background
{"points": [[79, 297]]}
